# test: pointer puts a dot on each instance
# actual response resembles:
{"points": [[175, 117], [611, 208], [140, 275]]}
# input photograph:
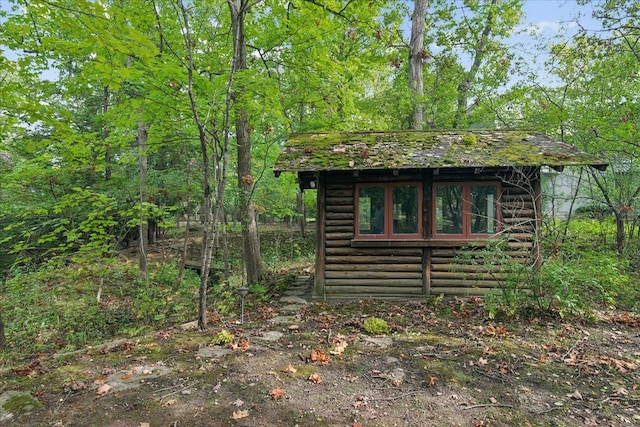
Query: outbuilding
{"points": [[404, 213]]}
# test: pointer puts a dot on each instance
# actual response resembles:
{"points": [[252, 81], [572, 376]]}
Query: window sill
{"points": [[417, 243]]}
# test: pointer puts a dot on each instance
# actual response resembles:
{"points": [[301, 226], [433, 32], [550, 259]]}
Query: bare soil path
{"points": [[298, 364]]}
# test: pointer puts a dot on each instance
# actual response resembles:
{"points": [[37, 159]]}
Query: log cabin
{"points": [[404, 214]]}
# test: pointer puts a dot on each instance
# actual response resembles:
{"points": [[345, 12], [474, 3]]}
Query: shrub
{"points": [[376, 326]]}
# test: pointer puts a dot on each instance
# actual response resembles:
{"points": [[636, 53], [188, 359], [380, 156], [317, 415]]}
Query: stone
{"points": [[14, 403], [270, 336], [382, 342], [292, 299], [213, 352]]}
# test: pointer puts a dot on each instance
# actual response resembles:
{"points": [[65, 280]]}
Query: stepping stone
{"points": [[292, 299], [382, 342], [136, 376], [283, 320], [293, 307], [213, 352], [270, 336]]}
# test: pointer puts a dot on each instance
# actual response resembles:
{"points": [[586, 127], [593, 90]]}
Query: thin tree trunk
{"points": [[620, 240], [478, 57], [107, 148], [207, 203], [185, 245], [417, 56], [250, 239], [301, 212], [144, 197], [2, 335]]}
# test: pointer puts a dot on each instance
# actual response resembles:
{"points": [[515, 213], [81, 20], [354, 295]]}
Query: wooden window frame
{"points": [[466, 210], [388, 211]]}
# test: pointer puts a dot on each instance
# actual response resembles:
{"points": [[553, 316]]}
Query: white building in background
{"points": [[563, 192]]}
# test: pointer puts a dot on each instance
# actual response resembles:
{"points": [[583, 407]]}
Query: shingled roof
{"points": [[339, 151]]}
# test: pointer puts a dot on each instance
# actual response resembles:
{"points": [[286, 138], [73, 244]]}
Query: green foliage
{"points": [[223, 337], [54, 309], [376, 326], [576, 278]]}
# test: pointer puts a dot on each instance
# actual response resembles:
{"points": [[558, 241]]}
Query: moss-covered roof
{"points": [[325, 151]]}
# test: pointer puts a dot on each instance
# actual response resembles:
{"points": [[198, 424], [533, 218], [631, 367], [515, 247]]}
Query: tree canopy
{"points": [[114, 113]]}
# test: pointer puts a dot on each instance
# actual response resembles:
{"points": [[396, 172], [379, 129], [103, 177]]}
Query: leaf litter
{"points": [[439, 361]]}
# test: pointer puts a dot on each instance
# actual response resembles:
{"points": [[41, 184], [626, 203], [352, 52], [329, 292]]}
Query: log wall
{"points": [[413, 269], [351, 272]]}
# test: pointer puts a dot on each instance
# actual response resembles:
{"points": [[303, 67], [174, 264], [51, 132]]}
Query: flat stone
{"points": [[270, 336], [293, 307], [283, 320], [213, 352], [293, 299], [136, 376], [397, 374], [382, 342], [14, 403], [189, 326]]}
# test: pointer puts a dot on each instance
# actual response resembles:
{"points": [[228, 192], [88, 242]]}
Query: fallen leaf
{"points": [[103, 389], [145, 425], [338, 348], [315, 378], [482, 361], [126, 377], [432, 381], [169, 402], [277, 393], [575, 395], [238, 403], [493, 400], [620, 391], [240, 414], [318, 356], [290, 369]]}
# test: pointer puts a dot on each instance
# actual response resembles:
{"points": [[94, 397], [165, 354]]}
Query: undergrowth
{"points": [[580, 274], [65, 307]]}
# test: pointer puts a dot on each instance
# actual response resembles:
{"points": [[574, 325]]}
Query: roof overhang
{"points": [[431, 149]]}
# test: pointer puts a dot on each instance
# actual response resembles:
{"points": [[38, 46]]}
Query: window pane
{"points": [[405, 209], [371, 210], [449, 209], [483, 209]]}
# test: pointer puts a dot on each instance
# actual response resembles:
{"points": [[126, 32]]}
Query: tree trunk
{"points": [[185, 245], [619, 232], [143, 133], [417, 56], [479, 53], [2, 336], [302, 215], [250, 239], [207, 203], [107, 148]]}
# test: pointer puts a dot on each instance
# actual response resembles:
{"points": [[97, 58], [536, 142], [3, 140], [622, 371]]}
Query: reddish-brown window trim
{"points": [[466, 210], [388, 216]]}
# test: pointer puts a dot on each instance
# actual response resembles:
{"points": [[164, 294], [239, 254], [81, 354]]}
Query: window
{"points": [[465, 210], [386, 211]]}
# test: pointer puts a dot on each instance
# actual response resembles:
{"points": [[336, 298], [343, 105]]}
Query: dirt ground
{"points": [[292, 364]]}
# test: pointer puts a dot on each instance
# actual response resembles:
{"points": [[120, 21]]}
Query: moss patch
{"points": [[325, 151], [14, 403]]}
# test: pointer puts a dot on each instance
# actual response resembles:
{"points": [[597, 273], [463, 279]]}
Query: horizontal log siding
{"points": [[362, 272], [384, 272], [458, 272]]}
